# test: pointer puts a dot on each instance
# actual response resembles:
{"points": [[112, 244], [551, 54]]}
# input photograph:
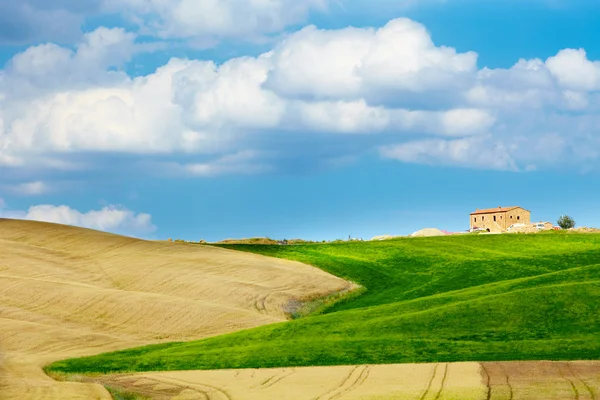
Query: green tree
{"points": [[566, 222]]}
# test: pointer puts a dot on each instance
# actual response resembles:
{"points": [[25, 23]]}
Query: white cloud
{"points": [[51, 67], [110, 219], [470, 152], [352, 90], [574, 71], [353, 63]]}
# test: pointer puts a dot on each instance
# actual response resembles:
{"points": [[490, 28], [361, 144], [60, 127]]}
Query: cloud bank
{"points": [[319, 96]]}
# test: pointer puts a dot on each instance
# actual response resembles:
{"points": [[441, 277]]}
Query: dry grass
{"points": [[531, 380], [406, 381], [67, 292]]}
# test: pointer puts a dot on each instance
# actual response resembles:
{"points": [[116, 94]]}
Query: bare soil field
{"points": [[453, 381], [68, 292]]}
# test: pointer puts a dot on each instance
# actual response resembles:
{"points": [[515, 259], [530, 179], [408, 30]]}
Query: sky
{"points": [[313, 119]]}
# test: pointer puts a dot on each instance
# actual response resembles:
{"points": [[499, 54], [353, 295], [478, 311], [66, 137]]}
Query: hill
{"points": [[453, 298], [68, 292]]}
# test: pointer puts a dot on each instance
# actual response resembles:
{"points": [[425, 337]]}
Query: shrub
{"points": [[566, 222]]}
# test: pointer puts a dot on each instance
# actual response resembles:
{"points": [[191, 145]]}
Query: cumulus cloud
{"points": [[348, 91], [574, 71], [357, 63], [113, 219], [51, 67]]}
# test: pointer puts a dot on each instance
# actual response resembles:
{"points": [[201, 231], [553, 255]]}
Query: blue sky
{"points": [[196, 119]]}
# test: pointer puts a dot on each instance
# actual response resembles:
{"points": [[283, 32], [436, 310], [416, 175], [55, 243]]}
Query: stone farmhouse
{"points": [[499, 219]]}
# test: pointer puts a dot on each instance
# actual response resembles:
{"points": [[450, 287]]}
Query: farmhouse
{"points": [[499, 219]]}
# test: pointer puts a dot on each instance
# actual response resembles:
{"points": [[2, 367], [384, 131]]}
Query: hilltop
{"points": [[69, 292]]}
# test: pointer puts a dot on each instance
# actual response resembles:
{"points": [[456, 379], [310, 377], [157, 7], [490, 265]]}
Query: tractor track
{"points": [[196, 387], [487, 382], [341, 389], [583, 382], [364, 374], [276, 379], [428, 388], [507, 378], [439, 393], [571, 383]]}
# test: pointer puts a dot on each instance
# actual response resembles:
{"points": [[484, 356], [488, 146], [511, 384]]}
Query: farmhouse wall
{"points": [[500, 220], [487, 221], [518, 216]]}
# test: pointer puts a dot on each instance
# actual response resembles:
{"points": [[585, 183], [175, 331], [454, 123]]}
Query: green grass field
{"points": [[455, 298]]}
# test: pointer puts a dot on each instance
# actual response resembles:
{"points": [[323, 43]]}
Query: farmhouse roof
{"points": [[495, 210]]}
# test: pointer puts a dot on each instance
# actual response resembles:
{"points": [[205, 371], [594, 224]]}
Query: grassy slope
{"points": [[497, 297]]}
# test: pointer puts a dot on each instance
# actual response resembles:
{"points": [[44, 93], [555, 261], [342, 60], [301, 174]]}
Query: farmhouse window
{"points": [[518, 217], [483, 218], [494, 218], [475, 219]]}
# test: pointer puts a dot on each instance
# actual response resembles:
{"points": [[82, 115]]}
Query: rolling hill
{"points": [[69, 292], [460, 298]]}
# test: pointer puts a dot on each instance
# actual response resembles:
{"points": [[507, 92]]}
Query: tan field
{"points": [[538, 380], [457, 381], [68, 292]]}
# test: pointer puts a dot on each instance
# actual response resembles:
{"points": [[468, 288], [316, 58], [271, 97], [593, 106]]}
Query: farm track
{"points": [[488, 395], [560, 368], [439, 393], [587, 387], [511, 393], [276, 379], [436, 382]]}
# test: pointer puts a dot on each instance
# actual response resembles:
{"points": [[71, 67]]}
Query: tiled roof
{"points": [[494, 210]]}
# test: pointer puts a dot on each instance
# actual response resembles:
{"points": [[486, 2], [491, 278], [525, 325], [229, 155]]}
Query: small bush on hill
{"points": [[566, 222]]}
